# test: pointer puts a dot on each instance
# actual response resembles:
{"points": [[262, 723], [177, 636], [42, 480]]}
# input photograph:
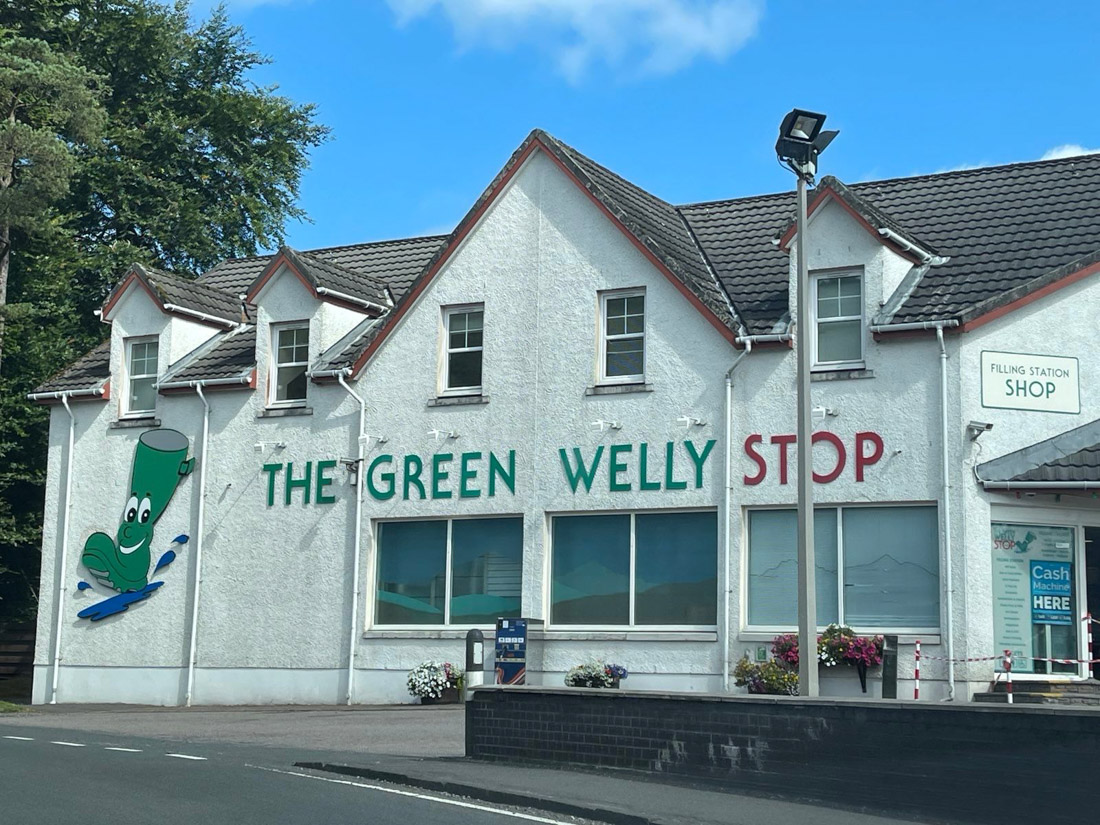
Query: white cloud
{"points": [[637, 37], [1068, 150]]}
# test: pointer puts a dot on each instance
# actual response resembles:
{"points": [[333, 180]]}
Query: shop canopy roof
{"points": [[1066, 461], [993, 236]]}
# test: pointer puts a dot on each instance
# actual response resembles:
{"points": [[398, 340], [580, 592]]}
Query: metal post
{"points": [[916, 674], [1008, 675], [475, 659], [807, 594]]}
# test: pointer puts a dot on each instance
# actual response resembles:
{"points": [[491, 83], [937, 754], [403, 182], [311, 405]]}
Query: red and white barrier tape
{"points": [[972, 659]]}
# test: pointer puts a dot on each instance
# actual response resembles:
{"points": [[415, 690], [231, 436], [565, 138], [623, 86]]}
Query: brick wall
{"points": [[959, 762]]}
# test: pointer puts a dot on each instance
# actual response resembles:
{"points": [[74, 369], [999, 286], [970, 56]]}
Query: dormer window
{"points": [[289, 363], [141, 377], [837, 309]]}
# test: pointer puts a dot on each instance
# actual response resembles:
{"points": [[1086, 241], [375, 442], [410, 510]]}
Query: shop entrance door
{"points": [[1092, 584]]}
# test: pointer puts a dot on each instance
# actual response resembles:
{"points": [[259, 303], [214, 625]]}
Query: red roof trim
{"points": [[280, 259], [827, 193], [123, 288], [1042, 292], [468, 225]]}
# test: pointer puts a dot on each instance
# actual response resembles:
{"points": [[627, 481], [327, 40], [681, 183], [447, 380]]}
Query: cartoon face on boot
{"points": [[160, 465]]}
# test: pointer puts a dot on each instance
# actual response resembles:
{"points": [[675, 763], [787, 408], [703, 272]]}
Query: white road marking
{"points": [[68, 744], [185, 756], [124, 750], [455, 802], [21, 738]]}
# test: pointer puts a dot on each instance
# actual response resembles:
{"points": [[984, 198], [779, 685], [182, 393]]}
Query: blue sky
{"points": [[428, 98]]}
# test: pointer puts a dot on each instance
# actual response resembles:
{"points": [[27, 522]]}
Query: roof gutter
{"points": [[771, 338], [206, 382], [67, 394], [925, 256], [1040, 485], [912, 326], [351, 299], [202, 316]]}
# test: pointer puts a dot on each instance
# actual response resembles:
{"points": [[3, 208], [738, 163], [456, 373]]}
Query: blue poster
{"points": [[1051, 592]]}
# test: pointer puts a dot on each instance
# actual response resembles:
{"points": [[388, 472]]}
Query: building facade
{"points": [[325, 467]]}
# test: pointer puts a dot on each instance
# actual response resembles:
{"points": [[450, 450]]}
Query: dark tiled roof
{"points": [[657, 225], [1072, 456], [189, 294], [89, 372], [330, 275], [1007, 231], [347, 350], [393, 264], [229, 354]]}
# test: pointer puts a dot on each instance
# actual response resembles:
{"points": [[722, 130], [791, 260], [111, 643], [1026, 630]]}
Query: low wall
{"points": [[957, 762]]}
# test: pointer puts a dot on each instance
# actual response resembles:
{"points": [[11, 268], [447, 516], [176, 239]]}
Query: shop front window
{"points": [[1034, 595], [635, 569], [876, 567], [449, 572]]}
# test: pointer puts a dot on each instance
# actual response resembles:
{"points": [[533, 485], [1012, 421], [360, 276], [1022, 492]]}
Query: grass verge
{"points": [[8, 707]]}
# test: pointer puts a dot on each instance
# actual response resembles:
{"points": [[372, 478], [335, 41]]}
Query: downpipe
{"points": [[193, 652], [728, 508], [357, 543], [946, 495], [64, 547]]}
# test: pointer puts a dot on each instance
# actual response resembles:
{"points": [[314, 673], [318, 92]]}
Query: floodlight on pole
{"points": [[800, 142]]}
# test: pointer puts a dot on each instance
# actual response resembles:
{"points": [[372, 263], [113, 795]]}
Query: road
{"points": [[64, 776], [205, 766]]}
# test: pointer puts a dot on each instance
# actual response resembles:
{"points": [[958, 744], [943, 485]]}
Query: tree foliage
{"points": [[165, 152]]}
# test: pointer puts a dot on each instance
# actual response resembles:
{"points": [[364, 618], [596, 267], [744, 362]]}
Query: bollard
{"points": [[475, 659], [1008, 675], [916, 675]]}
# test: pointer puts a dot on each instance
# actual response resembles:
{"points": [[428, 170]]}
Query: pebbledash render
{"points": [[578, 407]]}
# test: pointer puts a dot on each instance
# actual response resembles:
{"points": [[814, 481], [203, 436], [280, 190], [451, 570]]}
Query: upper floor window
{"points": [[464, 328], [838, 320], [289, 363], [141, 376], [622, 337]]}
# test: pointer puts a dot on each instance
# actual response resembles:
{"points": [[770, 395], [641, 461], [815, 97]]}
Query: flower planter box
{"points": [[450, 696]]}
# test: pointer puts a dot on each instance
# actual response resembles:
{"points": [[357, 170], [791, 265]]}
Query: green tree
{"points": [[194, 163], [48, 106]]}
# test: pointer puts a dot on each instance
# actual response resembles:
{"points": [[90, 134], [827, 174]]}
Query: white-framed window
{"points": [[622, 337], [634, 569], [463, 342], [289, 364], [461, 571], [877, 567], [837, 309], [141, 377]]}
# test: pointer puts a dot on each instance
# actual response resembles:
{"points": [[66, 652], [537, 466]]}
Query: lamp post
{"points": [[800, 142]]}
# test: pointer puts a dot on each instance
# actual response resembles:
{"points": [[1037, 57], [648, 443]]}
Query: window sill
{"points": [[562, 635], [903, 638], [427, 633], [618, 389], [457, 400], [841, 374], [284, 412], [134, 423]]}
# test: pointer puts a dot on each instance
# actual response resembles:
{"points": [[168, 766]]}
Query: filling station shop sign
{"points": [[1042, 383]]}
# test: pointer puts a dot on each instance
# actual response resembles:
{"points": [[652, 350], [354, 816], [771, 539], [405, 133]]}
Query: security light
{"points": [[801, 141]]}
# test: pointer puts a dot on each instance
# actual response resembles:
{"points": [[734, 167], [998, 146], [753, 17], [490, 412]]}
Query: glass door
{"points": [[1035, 603]]}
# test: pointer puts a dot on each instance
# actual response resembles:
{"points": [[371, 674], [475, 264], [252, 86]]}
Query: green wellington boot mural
{"points": [[122, 563]]}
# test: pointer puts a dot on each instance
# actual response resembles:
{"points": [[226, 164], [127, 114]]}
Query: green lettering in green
{"points": [[468, 473], [496, 468], [581, 473], [616, 467], [272, 470], [699, 460], [643, 469], [293, 483], [387, 477], [669, 483], [439, 475], [323, 481], [412, 477]]}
